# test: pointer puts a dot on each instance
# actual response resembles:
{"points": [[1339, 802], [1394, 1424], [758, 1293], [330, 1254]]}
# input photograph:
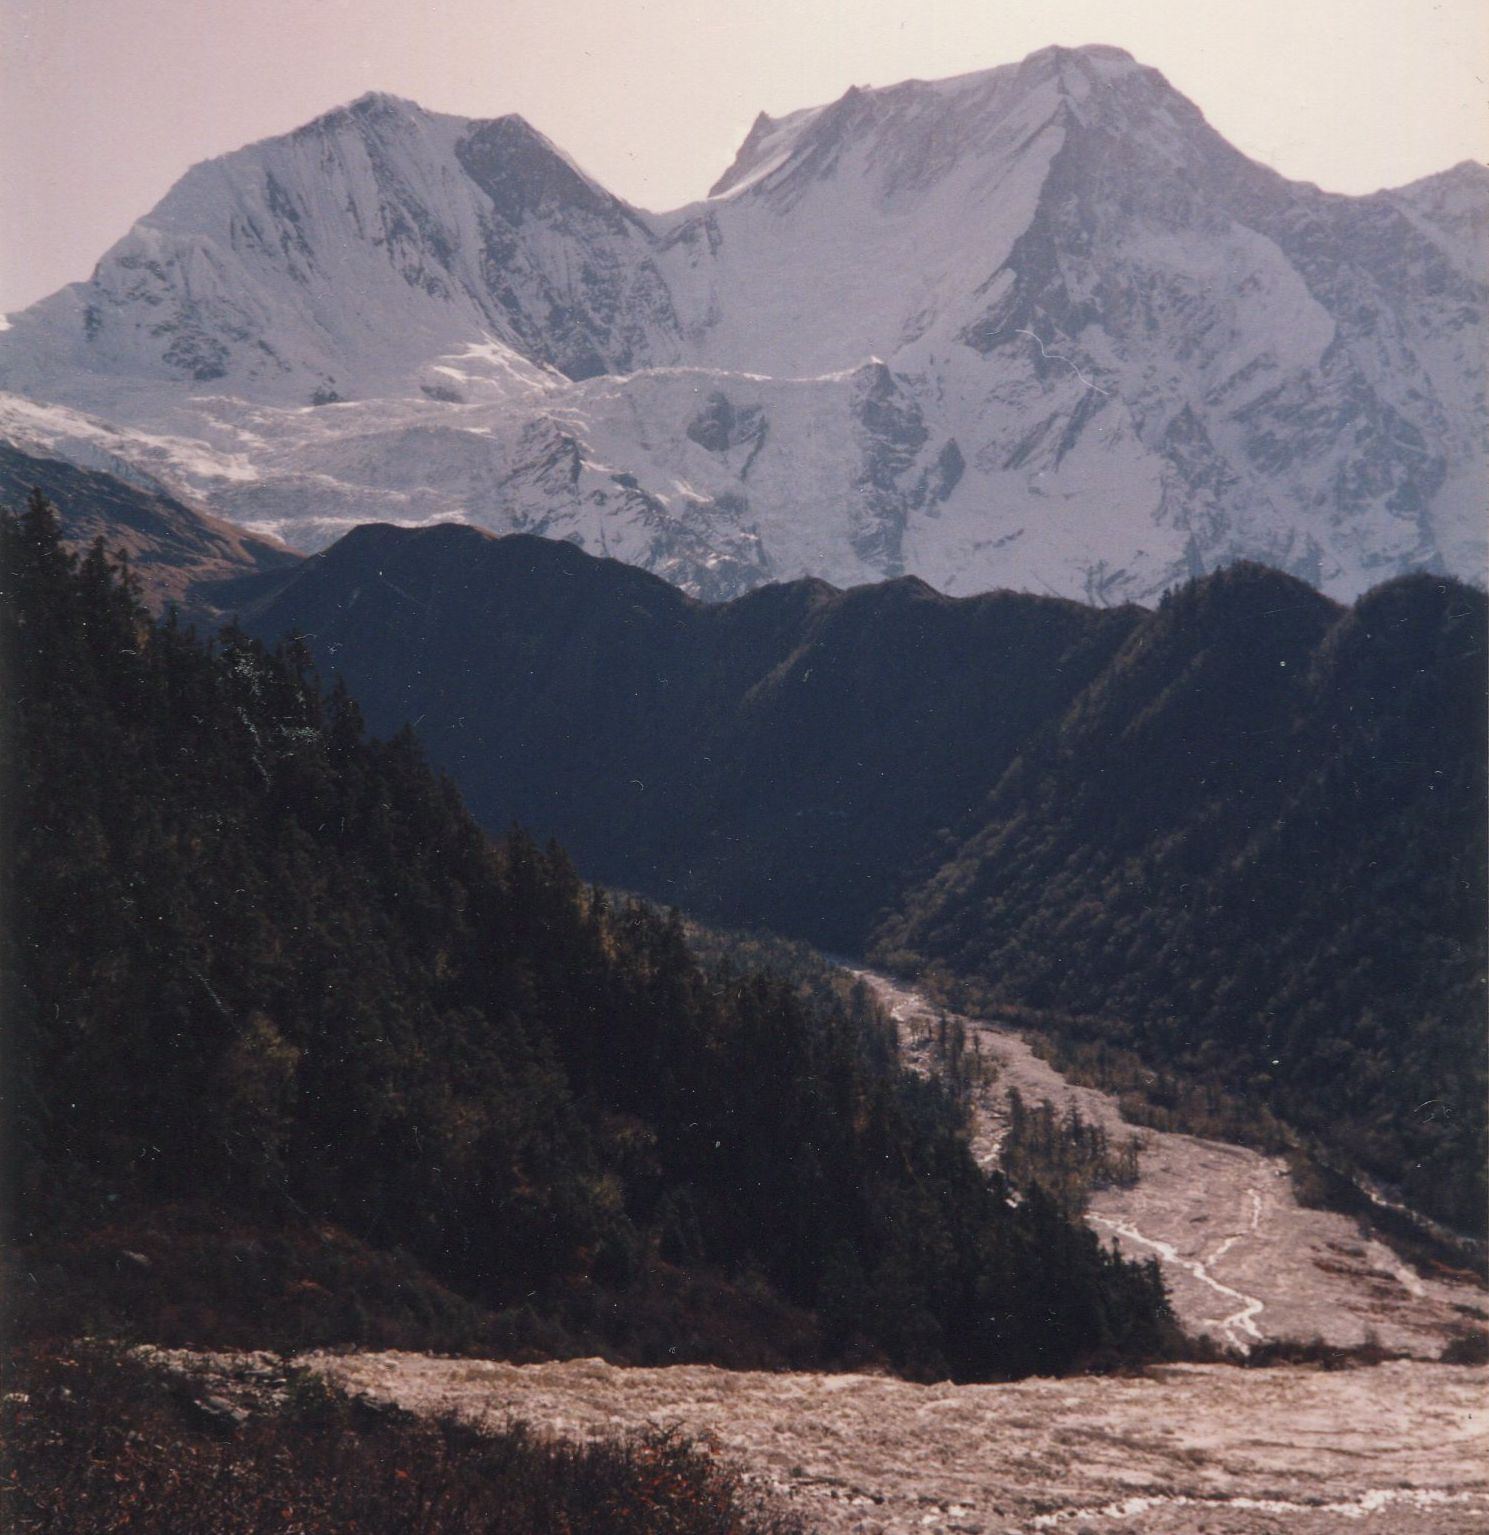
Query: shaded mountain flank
{"points": [[177, 553], [1242, 834]]}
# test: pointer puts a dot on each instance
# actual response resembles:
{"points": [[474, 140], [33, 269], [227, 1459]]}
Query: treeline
{"points": [[258, 957]]}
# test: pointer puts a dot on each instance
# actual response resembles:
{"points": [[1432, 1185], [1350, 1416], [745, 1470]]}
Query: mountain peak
{"points": [[924, 120], [1105, 55], [371, 107], [383, 101], [1102, 74]]}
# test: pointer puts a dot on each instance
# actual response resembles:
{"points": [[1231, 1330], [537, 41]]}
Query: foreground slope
{"points": [[1399, 1448], [1037, 326]]}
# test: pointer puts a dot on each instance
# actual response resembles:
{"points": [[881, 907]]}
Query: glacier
{"points": [[1036, 327]]}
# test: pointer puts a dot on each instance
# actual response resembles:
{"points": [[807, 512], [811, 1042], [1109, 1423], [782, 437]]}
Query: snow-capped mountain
{"points": [[1035, 327]]}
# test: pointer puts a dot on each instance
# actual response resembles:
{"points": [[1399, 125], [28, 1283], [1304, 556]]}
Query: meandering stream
{"points": [[1244, 1261]]}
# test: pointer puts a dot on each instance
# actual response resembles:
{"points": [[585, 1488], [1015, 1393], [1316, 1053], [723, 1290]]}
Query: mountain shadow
{"points": [[259, 960]]}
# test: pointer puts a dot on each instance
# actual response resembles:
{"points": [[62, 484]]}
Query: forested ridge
{"points": [[257, 957], [1255, 853], [786, 760], [1236, 844]]}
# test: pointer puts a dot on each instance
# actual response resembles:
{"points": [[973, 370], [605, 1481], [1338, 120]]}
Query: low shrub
{"points": [[98, 1441], [1471, 1347]]}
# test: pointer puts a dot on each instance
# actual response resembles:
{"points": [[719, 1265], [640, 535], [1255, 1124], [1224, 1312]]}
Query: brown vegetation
{"points": [[97, 1441]]}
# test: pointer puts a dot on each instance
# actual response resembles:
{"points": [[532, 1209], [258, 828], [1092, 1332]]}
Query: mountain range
{"points": [[1038, 327]]}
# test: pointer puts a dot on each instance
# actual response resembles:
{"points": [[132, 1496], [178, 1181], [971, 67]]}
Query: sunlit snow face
{"points": [[103, 107], [1036, 327]]}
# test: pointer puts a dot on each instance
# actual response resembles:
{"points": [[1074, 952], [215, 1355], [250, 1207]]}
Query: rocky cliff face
{"points": [[1037, 327]]}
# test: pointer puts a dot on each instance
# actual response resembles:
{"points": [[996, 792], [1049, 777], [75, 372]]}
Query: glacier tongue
{"points": [[1038, 326]]}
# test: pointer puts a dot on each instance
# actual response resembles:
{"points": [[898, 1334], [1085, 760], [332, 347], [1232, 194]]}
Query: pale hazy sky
{"points": [[103, 103]]}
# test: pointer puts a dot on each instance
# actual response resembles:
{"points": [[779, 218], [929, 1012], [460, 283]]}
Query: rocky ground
{"points": [[1244, 1261], [1403, 1447]]}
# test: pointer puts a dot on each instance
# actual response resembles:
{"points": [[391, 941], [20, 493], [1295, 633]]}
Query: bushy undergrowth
{"points": [[1316, 1353], [1470, 1347], [191, 1275], [96, 1441]]}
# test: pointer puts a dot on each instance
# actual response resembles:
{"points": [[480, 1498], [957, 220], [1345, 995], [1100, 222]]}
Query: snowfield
{"points": [[1037, 327]]}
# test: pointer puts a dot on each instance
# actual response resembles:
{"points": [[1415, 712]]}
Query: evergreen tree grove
{"points": [[253, 954]]}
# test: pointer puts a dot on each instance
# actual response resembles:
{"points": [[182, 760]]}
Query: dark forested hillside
{"points": [[1254, 851], [255, 957], [1243, 835], [787, 759]]}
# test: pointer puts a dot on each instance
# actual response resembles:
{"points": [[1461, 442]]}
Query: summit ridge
{"points": [[1035, 326]]}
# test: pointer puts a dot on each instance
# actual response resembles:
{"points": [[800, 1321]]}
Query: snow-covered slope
{"points": [[340, 259], [1036, 327]]}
